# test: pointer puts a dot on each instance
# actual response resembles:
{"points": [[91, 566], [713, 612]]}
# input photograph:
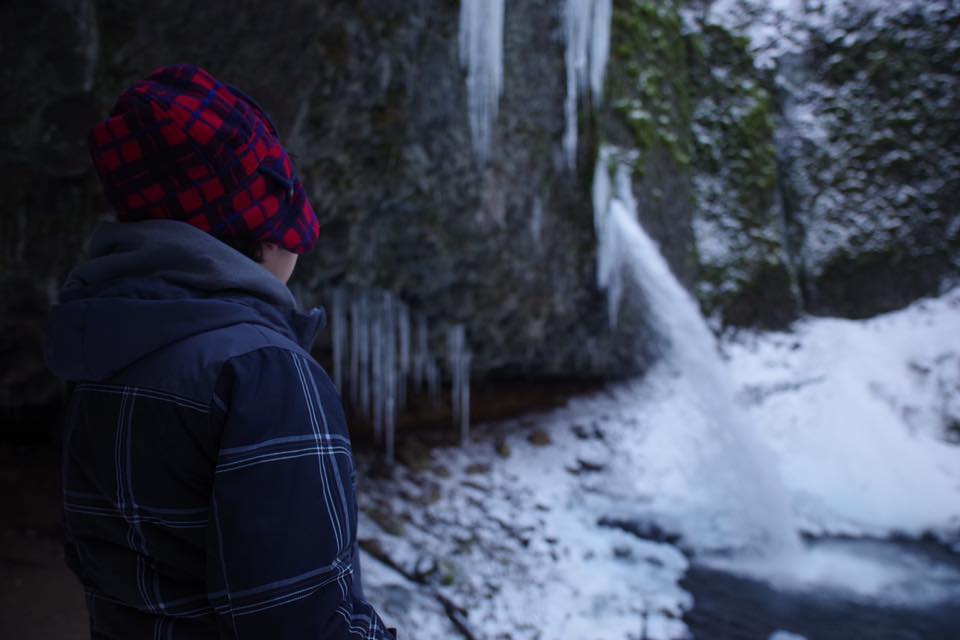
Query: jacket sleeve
{"points": [[282, 533]]}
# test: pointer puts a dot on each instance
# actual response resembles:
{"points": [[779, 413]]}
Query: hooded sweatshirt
{"points": [[209, 483]]}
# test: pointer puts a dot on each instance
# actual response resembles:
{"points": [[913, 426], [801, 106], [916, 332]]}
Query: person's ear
{"points": [[271, 247]]}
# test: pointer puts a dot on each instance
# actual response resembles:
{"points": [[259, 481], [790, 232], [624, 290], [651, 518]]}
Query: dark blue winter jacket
{"points": [[209, 484]]}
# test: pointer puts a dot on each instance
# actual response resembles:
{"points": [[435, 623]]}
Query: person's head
{"points": [[181, 145]]}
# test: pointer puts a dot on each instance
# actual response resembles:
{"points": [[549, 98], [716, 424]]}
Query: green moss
{"points": [[693, 104], [647, 78], [740, 137]]}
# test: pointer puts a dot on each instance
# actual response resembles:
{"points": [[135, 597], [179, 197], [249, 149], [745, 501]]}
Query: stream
{"points": [[727, 605]]}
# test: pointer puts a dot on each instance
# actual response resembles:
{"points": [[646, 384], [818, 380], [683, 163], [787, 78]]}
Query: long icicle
{"points": [[481, 54]]}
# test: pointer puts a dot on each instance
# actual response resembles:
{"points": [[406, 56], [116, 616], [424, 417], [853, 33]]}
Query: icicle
{"points": [[390, 372], [454, 353], [536, 219], [481, 54], [403, 335], [391, 428], [464, 402], [610, 246], [355, 352], [364, 348], [338, 329], [422, 355], [376, 368], [576, 19], [458, 364], [599, 47], [587, 33]]}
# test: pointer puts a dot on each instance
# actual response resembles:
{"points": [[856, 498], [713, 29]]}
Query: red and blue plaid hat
{"points": [[181, 145]]}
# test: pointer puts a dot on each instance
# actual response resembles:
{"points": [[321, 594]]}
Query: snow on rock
{"points": [[777, 27]]}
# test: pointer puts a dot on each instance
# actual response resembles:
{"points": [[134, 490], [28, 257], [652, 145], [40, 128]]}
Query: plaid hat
{"points": [[181, 145]]}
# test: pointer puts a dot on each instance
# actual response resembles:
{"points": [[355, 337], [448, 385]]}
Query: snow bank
{"points": [[856, 413]]}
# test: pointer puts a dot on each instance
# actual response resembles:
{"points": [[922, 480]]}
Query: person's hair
{"points": [[253, 249]]}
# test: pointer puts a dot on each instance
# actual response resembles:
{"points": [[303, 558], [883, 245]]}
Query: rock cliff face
{"points": [[872, 186], [822, 180], [867, 144], [410, 209]]}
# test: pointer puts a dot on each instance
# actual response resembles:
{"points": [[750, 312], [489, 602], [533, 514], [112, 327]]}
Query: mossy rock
{"points": [[647, 110], [647, 79], [744, 276]]}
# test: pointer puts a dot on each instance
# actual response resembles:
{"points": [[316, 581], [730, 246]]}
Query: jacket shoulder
{"points": [[191, 367]]}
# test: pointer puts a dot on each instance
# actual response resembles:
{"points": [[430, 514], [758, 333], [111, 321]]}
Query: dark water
{"points": [[732, 607]]}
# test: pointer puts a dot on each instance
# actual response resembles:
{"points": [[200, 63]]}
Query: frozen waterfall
{"points": [[381, 353], [746, 507], [586, 28], [481, 54]]}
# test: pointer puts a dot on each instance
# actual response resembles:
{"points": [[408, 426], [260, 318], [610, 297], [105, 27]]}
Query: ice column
{"points": [[599, 46], [338, 328], [403, 335], [586, 28], [383, 373], [609, 239], [458, 363], [421, 356], [481, 54], [536, 219]]}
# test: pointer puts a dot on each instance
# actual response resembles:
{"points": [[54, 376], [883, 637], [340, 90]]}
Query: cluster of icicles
{"points": [[381, 354]]}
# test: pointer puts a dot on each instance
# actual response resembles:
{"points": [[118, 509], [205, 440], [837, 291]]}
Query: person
{"points": [[209, 481]]}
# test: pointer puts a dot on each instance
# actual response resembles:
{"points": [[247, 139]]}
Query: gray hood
{"points": [[148, 285], [178, 253]]}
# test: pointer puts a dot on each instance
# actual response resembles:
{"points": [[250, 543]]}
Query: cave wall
{"points": [[370, 97]]}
